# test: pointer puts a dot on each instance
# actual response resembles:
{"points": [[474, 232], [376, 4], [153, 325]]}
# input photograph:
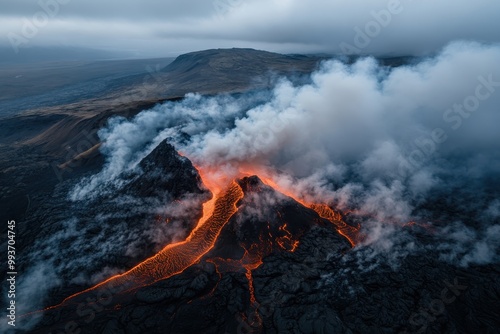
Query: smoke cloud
{"points": [[390, 145]]}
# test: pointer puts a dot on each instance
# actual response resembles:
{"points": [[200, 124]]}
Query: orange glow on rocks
{"points": [[175, 258], [286, 241]]}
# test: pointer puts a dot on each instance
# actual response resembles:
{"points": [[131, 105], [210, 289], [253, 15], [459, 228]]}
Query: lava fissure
{"points": [[349, 232]]}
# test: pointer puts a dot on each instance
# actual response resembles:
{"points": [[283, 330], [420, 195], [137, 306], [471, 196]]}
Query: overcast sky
{"points": [[151, 28]]}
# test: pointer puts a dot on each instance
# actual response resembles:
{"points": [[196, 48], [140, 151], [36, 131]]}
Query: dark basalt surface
{"points": [[164, 171]]}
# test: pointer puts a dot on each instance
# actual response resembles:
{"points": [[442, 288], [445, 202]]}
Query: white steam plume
{"points": [[379, 140]]}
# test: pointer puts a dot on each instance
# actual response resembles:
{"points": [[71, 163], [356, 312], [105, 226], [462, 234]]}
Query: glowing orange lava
{"points": [[175, 258]]}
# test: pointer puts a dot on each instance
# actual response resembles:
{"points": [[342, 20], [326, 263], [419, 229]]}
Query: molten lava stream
{"points": [[175, 258], [349, 232]]}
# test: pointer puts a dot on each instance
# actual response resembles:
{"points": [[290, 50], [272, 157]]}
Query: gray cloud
{"points": [[173, 27]]}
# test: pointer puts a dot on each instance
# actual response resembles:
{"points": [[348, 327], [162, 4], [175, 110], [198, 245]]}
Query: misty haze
{"points": [[234, 166]]}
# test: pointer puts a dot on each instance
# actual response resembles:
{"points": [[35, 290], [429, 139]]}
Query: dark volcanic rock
{"points": [[165, 171]]}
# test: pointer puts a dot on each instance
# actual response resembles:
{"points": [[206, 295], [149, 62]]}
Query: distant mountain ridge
{"points": [[217, 70]]}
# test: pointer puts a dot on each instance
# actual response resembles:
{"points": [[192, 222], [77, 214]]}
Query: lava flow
{"points": [[175, 258]]}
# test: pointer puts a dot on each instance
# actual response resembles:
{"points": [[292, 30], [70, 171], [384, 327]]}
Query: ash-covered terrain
{"points": [[253, 192]]}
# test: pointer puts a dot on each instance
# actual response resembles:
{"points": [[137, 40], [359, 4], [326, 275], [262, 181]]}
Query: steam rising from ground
{"points": [[417, 142]]}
